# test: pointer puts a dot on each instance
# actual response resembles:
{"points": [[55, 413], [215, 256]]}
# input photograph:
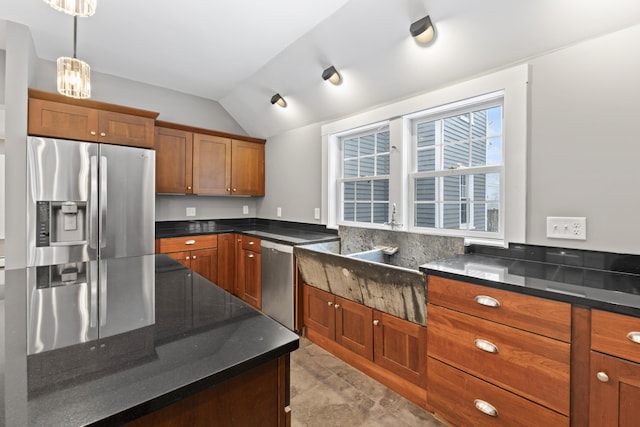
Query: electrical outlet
{"points": [[560, 227], [245, 209], [316, 213], [191, 211], [278, 212]]}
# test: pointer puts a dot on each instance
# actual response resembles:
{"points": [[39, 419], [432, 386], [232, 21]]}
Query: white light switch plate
{"points": [[567, 227], [278, 212], [191, 211], [316, 213], [245, 209]]}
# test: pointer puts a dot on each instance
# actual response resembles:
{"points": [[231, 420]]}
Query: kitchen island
{"points": [[208, 358]]}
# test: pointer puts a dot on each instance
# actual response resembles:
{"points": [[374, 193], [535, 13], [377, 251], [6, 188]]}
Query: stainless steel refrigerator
{"points": [[90, 262]]}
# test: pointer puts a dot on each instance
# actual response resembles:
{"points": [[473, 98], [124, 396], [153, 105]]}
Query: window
{"points": [[452, 162], [457, 168], [364, 182]]}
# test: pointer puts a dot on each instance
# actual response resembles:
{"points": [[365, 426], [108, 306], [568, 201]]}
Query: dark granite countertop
{"points": [[284, 232], [599, 280], [202, 335]]}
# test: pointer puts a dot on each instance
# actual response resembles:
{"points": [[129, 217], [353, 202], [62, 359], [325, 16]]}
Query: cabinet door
{"points": [[125, 129], [247, 169], [173, 303], [251, 288], [227, 262], [239, 279], [354, 329], [318, 312], [615, 392], [211, 164], [183, 258], [400, 347], [174, 159], [205, 263], [58, 120]]}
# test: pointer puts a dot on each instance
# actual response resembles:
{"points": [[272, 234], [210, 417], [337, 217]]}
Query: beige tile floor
{"points": [[326, 392]]}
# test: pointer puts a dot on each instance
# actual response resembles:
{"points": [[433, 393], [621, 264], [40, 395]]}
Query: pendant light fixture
{"points": [[74, 7], [74, 75]]}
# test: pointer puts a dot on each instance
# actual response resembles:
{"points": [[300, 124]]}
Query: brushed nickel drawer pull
{"points": [[250, 255], [487, 301], [190, 242], [485, 407], [251, 243], [602, 377], [485, 345], [634, 337]]}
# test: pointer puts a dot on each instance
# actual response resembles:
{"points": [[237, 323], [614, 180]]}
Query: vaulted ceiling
{"points": [[241, 52]]}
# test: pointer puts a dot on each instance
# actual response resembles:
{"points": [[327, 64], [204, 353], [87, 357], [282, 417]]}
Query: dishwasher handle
{"points": [[266, 244]]}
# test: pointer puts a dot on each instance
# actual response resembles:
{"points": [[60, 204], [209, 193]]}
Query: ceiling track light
{"points": [[332, 75], [277, 99], [74, 7], [422, 30], [74, 75]]}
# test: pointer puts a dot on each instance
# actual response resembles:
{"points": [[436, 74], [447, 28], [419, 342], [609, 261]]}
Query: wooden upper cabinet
{"points": [[174, 154], [211, 164], [247, 168], [57, 116]]}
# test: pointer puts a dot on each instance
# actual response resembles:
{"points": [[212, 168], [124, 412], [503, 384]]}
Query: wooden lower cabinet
{"points": [[465, 400], [388, 349], [248, 271], [614, 392], [258, 397], [227, 262], [199, 253]]}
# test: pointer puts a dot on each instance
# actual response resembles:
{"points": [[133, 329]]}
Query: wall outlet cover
{"points": [[245, 209], [278, 212], [316, 213], [191, 211], [567, 227]]}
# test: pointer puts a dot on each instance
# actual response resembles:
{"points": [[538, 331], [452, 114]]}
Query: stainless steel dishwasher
{"points": [[277, 282]]}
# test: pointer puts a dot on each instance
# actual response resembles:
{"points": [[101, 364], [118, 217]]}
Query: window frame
{"points": [[512, 81]]}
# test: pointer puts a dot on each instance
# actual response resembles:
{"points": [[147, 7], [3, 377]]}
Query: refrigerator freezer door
{"points": [[127, 223], [60, 201]]}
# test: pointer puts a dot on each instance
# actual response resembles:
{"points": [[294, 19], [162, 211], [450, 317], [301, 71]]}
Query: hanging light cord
{"points": [[75, 34]]}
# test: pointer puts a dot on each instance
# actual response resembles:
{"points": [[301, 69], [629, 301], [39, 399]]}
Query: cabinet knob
{"points": [[194, 257], [103, 134], [602, 377], [487, 301], [329, 303], [485, 345], [376, 322], [235, 189], [634, 337], [229, 189], [485, 407], [336, 306], [250, 255], [187, 258], [93, 132], [251, 243], [188, 187]]}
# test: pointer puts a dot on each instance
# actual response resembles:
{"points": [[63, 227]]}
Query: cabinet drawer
{"points": [[613, 334], [530, 365], [251, 243], [457, 394], [188, 243], [538, 315]]}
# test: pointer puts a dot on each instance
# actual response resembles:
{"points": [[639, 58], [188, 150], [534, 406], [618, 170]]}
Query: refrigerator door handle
{"points": [[103, 202], [103, 293], [93, 289], [93, 203]]}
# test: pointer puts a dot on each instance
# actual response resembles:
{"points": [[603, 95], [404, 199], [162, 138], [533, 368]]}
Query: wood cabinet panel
{"points": [[182, 257], [614, 397], [531, 365], [174, 161], [251, 243], [125, 129], [251, 289], [205, 263], [188, 243], [538, 315], [400, 347], [211, 164], [55, 119], [247, 168], [318, 310], [455, 395], [227, 262], [354, 327], [611, 333]]}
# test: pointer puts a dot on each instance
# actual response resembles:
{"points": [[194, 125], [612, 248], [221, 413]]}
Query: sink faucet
{"points": [[393, 222]]}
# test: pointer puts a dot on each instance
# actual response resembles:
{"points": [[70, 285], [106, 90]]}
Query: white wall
{"points": [[171, 208], [584, 148], [292, 179], [584, 157]]}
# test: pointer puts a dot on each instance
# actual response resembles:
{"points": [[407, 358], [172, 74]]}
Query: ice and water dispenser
{"points": [[60, 223]]}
